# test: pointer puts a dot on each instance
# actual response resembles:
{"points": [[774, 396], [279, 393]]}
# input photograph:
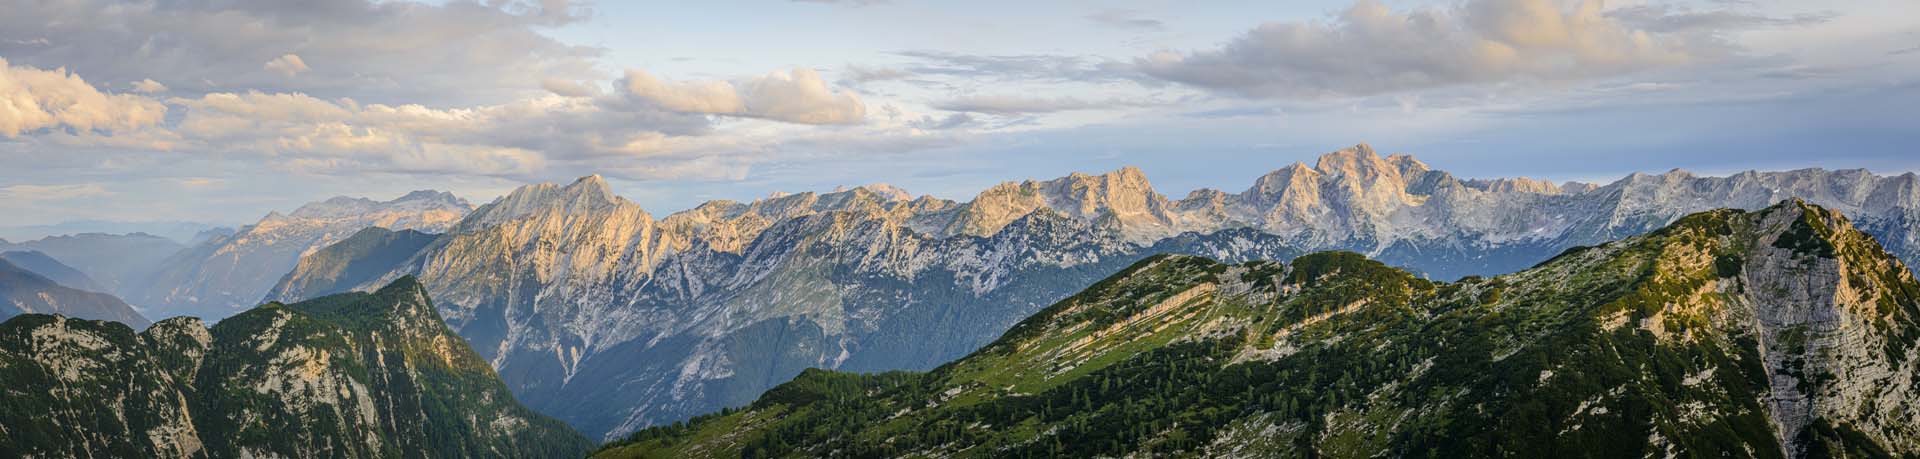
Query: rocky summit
{"points": [[612, 319], [358, 375], [1782, 332]]}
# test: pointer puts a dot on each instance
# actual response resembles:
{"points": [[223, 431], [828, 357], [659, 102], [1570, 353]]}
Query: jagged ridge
{"points": [[569, 290], [1778, 333]]}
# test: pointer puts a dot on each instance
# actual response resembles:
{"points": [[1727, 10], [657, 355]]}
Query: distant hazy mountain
{"points": [[366, 257], [1778, 333], [178, 231], [225, 275], [350, 376], [118, 263], [599, 313], [45, 266], [25, 292], [209, 234]]}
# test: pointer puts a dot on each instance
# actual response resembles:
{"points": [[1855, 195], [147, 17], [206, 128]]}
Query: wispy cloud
{"points": [[1671, 18], [1126, 19], [1371, 49], [455, 52], [796, 96], [1026, 67], [149, 86], [1015, 105], [855, 74], [38, 193]]}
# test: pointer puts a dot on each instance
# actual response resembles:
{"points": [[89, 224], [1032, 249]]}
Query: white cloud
{"points": [[797, 96], [1674, 18], [287, 65], [460, 52], [707, 97], [321, 136], [800, 96], [149, 86], [537, 137], [1371, 49], [568, 88], [856, 74], [32, 99], [199, 182], [1125, 19], [1015, 105]]}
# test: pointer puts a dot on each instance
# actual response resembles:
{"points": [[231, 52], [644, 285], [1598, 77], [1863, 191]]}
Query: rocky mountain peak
{"points": [[591, 190], [185, 325], [405, 285], [891, 192], [586, 195], [403, 305], [333, 206], [433, 196], [1674, 175], [1124, 196], [1515, 185], [1295, 178], [350, 207], [885, 191], [592, 182], [1357, 161], [1409, 167], [1126, 186]]}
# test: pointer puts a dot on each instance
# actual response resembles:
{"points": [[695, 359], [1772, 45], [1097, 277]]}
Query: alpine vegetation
{"points": [[1783, 332], [356, 375]]}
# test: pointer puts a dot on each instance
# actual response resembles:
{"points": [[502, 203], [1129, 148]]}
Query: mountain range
{"points": [[358, 375], [54, 270], [25, 291], [116, 263], [596, 312], [178, 231], [1783, 332], [225, 274]]}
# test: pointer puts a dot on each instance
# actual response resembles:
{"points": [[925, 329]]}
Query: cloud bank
{"points": [[647, 129], [1371, 49], [458, 52], [33, 99], [797, 96]]}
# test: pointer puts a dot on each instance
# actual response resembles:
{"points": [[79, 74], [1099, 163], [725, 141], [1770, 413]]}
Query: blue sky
{"points": [[221, 112]]}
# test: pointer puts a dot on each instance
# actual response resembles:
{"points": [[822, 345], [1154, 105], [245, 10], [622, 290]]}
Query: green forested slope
{"points": [[351, 375]]}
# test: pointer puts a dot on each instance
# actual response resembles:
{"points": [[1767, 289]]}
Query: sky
{"points": [[221, 111]]}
